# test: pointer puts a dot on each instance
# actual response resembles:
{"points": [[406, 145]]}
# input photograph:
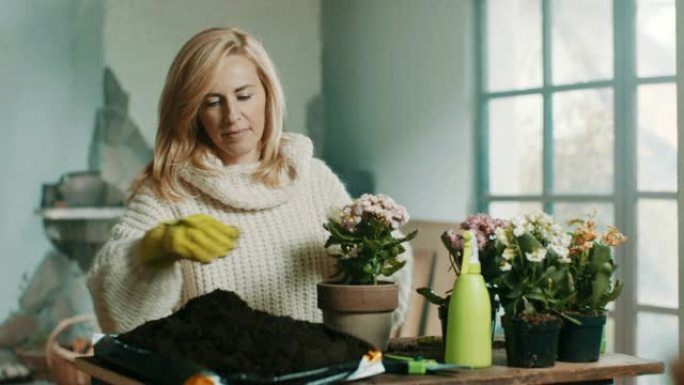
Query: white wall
{"points": [[399, 99], [50, 76], [142, 38]]}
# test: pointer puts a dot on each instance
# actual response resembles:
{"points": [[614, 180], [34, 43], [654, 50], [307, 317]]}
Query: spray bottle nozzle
{"points": [[470, 252]]}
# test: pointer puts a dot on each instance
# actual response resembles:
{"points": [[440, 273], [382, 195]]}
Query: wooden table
{"points": [[609, 366]]}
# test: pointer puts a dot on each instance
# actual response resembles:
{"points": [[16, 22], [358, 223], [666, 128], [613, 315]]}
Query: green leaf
{"points": [[613, 294], [537, 297], [600, 255], [431, 296], [410, 236], [528, 307], [338, 232], [528, 243]]}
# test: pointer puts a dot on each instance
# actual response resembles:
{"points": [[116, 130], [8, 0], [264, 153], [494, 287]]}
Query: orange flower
{"points": [[613, 237], [585, 233], [579, 249]]}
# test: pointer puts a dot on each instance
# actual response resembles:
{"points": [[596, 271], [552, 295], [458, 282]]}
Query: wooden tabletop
{"points": [[609, 366], [90, 366]]}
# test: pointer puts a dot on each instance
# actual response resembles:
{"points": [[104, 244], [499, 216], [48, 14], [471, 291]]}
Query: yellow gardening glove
{"points": [[198, 237]]}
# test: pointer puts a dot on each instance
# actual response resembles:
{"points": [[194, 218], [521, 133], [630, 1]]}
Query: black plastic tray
{"points": [[154, 368]]}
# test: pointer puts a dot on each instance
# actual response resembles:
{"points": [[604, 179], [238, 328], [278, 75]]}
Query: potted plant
{"points": [[366, 245], [592, 266], [533, 285], [484, 227]]}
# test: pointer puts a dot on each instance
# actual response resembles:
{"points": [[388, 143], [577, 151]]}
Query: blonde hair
{"points": [[180, 136]]}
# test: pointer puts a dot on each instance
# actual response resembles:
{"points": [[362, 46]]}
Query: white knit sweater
{"points": [[275, 266]]}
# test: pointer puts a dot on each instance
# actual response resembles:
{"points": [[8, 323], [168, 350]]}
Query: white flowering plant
{"points": [[592, 266], [364, 239], [533, 259]]}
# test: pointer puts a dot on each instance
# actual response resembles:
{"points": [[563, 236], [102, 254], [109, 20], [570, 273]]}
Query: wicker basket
{"points": [[60, 360], [35, 361]]}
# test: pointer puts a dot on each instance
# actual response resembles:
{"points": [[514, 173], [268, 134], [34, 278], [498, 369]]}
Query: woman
{"points": [[222, 163]]}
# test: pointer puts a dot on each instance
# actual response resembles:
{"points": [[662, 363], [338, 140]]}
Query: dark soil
{"points": [[220, 332], [538, 318]]}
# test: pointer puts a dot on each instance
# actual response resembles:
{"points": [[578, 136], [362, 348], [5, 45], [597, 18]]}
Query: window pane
{"points": [[563, 212], [515, 145], [583, 141], [508, 210], [514, 32], [657, 137], [609, 335], [655, 32], [657, 264], [582, 40], [657, 337]]}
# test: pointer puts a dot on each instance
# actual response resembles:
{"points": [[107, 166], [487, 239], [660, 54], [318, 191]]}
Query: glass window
{"points": [[657, 339], [609, 335], [515, 145], [582, 44], [583, 141], [514, 45], [657, 137], [563, 212], [655, 28], [657, 262], [553, 140], [513, 209]]}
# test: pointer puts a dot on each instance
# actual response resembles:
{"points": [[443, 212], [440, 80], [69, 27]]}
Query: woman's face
{"points": [[233, 112]]}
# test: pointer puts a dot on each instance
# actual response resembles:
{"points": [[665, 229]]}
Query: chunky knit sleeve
{"points": [[404, 279], [332, 187], [329, 186], [125, 292]]}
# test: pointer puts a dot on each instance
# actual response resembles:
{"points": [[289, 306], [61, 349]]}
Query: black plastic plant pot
{"points": [[443, 312], [581, 343], [531, 345]]}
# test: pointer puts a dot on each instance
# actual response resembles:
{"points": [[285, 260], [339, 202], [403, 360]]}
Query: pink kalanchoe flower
{"points": [[453, 239], [484, 227], [380, 206]]}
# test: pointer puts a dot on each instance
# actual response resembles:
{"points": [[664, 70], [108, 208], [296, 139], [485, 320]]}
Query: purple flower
{"points": [[484, 227]]}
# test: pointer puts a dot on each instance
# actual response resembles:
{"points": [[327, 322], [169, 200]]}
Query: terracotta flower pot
{"points": [[581, 343], [364, 311]]}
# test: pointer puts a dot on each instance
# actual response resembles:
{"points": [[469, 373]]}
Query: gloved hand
{"points": [[198, 237]]}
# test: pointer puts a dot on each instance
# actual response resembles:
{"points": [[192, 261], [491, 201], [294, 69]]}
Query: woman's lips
{"points": [[235, 132]]}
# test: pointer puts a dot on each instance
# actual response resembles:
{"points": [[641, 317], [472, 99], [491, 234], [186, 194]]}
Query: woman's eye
{"points": [[212, 103], [244, 97]]}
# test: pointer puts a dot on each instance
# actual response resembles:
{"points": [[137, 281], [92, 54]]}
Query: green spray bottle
{"points": [[469, 326]]}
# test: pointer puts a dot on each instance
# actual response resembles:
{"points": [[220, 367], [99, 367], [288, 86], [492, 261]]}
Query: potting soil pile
{"points": [[220, 332]]}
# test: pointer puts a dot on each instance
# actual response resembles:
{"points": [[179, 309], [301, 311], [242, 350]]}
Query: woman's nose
{"points": [[233, 113]]}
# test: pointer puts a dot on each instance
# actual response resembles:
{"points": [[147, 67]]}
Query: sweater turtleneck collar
{"points": [[233, 185]]}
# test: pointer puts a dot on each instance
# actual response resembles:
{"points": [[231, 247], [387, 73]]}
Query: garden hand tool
{"points": [[416, 365], [198, 237]]}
